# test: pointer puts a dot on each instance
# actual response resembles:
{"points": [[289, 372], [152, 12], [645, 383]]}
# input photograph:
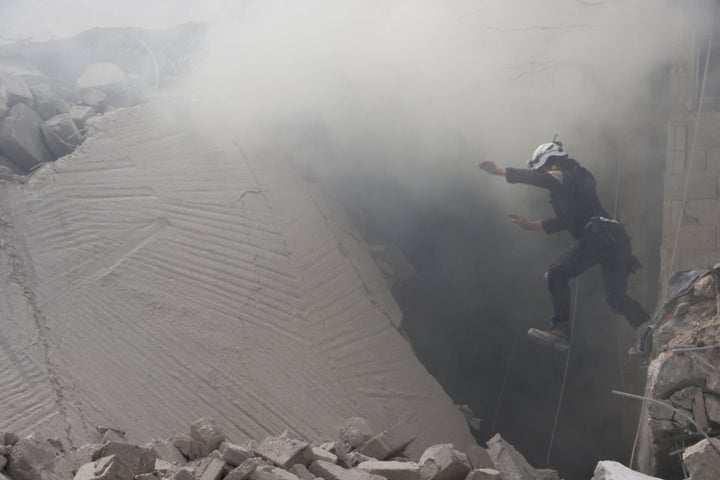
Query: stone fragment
{"points": [[206, 432], [388, 443], [8, 438], [547, 474], [21, 138], [17, 89], [189, 447], [609, 470], [81, 114], [443, 462], [3, 461], [62, 136], [392, 470], [484, 474], [301, 472], [168, 452], [355, 432], [282, 451], [316, 453], [702, 461], [234, 454], [105, 468], [508, 461], [85, 454], [34, 459], [712, 407], [94, 99], [163, 466], [478, 457], [183, 474], [273, 474], [146, 476], [213, 471], [138, 459], [330, 471], [47, 102], [245, 469]]}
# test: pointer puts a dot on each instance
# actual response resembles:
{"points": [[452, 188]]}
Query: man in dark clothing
{"points": [[599, 239]]}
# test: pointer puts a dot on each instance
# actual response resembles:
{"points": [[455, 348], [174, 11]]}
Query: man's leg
{"points": [[581, 255], [615, 274]]}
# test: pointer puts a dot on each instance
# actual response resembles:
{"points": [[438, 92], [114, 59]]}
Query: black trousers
{"points": [[610, 247]]}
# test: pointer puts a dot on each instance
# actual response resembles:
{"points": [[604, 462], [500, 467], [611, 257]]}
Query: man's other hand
{"points": [[491, 168], [532, 225]]}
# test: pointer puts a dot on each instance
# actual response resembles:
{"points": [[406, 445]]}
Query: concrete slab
{"points": [[21, 138], [61, 134]]}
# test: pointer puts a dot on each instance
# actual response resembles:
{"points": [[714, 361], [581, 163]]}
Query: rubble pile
{"points": [[684, 380], [204, 453], [49, 91]]}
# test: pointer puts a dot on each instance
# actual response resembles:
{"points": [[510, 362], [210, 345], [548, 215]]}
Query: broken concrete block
{"points": [[234, 454], [355, 432], [105, 468], [206, 432], [313, 453], [392, 470], [146, 476], [189, 447], [282, 451], [95, 99], [213, 471], [47, 102], [301, 472], [168, 452], [85, 454], [3, 462], [62, 136], [478, 457], [21, 138], [273, 474], [183, 474], [508, 461], [245, 469], [81, 114], [34, 459], [547, 474], [712, 407], [609, 470], [330, 471], [702, 460], [443, 462], [139, 459], [8, 438], [484, 474], [17, 89], [161, 466], [388, 443]]}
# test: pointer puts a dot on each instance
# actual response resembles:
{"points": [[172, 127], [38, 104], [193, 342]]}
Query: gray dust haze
{"points": [[390, 105]]}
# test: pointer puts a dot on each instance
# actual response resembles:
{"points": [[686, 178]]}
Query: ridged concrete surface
{"points": [[162, 273]]}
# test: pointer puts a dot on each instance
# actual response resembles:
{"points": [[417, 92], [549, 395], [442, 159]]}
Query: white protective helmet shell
{"points": [[544, 152]]}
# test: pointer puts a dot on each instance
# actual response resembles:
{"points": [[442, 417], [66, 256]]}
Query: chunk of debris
{"points": [[206, 432], [61, 135], [355, 432], [189, 447], [282, 451], [34, 459], [443, 462], [105, 468], [702, 460], [609, 470], [8, 438], [234, 454], [511, 463], [330, 471], [478, 457], [301, 472], [245, 469], [484, 474], [47, 102], [16, 88], [183, 474], [214, 470], [388, 443], [81, 114], [138, 459], [21, 138], [272, 474], [392, 470], [312, 453], [104, 76], [168, 452]]}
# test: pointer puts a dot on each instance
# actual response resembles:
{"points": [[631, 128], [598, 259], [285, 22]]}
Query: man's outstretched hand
{"points": [[491, 168], [532, 225]]}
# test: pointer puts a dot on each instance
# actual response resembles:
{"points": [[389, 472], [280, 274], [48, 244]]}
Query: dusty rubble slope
{"points": [[156, 276]]}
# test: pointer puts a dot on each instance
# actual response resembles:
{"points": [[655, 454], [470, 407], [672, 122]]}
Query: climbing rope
{"points": [[565, 373], [685, 188]]}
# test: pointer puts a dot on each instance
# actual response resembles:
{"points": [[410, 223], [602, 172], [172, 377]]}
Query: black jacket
{"points": [[572, 195]]}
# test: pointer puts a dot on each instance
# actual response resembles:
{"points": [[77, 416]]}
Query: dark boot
{"points": [[557, 337]]}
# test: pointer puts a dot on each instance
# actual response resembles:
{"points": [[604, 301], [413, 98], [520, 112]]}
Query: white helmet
{"points": [[545, 152]]}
